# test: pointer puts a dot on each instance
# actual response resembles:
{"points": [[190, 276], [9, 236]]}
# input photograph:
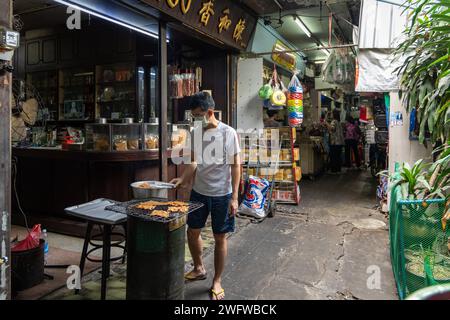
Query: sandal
{"points": [[188, 277], [216, 294]]}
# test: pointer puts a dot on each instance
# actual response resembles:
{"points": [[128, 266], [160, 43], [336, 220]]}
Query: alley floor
{"points": [[327, 248], [333, 246]]}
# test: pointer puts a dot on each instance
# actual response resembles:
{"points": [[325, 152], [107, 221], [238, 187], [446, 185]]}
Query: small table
{"points": [[94, 213]]}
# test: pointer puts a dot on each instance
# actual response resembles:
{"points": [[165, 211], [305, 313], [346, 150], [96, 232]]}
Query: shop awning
{"points": [[381, 25]]}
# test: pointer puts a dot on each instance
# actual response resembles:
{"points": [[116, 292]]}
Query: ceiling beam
{"points": [[339, 27], [37, 9]]}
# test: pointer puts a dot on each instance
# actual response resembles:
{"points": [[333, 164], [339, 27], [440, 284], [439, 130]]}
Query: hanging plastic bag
{"points": [[328, 68], [278, 98], [295, 102], [338, 71], [255, 197], [30, 242], [266, 91]]}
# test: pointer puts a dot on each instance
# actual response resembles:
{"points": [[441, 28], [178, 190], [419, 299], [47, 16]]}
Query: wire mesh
{"points": [[419, 243], [129, 208]]}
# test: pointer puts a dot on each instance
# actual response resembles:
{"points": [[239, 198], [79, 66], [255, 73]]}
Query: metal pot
{"points": [[157, 190], [102, 120], [128, 120]]}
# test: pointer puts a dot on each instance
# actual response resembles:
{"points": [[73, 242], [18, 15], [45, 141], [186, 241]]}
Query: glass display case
{"points": [[180, 135], [151, 136], [76, 94], [116, 91], [126, 137], [46, 85], [98, 137]]}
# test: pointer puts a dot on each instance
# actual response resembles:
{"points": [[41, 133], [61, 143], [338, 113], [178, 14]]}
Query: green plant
{"points": [[438, 176], [411, 180], [425, 74], [424, 180]]}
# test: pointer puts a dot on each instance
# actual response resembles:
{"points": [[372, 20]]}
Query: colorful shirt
{"points": [[351, 132]]}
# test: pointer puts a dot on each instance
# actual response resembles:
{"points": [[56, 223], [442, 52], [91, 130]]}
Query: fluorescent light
{"points": [[302, 26], [327, 53], [101, 16], [319, 61]]}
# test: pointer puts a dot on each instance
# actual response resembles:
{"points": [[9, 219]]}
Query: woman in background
{"points": [[352, 135]]}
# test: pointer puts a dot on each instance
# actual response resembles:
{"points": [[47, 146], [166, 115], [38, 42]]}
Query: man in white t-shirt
{"points": [[215, 168]]}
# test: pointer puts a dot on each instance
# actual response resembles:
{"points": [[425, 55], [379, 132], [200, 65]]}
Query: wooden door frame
{"points": [[5, 163]]}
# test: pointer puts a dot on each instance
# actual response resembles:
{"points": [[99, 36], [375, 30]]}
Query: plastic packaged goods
{"points": [[255, 197], [176, 86], [274, 93], [295, 102], [184, 84], [31, 240]]}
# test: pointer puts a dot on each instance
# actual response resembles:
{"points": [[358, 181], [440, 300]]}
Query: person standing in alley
{"points": [[270, 121], [215, 180], [336, 141], [352, 135]]}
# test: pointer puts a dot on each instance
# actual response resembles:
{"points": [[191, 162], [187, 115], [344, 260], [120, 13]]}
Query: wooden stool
{"points": [[106, 235]]}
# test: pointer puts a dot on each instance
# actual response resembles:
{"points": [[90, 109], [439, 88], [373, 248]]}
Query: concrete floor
{"points": [[327, 248], [333, 246]]}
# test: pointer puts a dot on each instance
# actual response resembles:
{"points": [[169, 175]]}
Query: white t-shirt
{"points": [[214, 157]]}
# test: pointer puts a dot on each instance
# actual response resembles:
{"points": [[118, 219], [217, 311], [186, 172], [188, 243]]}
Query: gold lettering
{"points": [[206, 12], [172, 3], [185, 7], [240, 27], [224, 21]]}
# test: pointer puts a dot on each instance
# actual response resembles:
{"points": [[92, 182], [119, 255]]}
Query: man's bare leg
{"points": [[220, 254], [196, 248]]}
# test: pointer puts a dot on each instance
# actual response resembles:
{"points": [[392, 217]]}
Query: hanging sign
{"points": [[223, 20], [287, 60]]}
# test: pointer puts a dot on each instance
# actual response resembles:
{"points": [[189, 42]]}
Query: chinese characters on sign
{"points": [[184, 4], [240, 27], [206, 12], [224, 20]]}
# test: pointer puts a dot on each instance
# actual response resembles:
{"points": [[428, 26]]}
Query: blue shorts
{"points": [[219, 207]]}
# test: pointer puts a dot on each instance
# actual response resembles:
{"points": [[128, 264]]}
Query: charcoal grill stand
{"points": [[107, 214]]}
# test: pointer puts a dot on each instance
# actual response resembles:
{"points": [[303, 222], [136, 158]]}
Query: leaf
{"points": [[444, 84]]}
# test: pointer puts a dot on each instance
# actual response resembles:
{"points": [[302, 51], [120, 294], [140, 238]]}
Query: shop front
{"points": [[100, 89]]}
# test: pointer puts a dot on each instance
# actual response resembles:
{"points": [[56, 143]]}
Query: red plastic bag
{"points": [[30, 242]]}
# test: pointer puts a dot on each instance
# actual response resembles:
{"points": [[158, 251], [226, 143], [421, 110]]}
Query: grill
{"points": [[129, 209], [156, 247]]}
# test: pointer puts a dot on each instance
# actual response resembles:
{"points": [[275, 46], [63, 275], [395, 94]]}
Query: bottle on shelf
{"points": [[44, 236]]}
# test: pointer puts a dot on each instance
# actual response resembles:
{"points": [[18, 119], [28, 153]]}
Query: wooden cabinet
{"points": [[49, 51], [91, 46], [41, 53], [67, 48], [33, 52]]}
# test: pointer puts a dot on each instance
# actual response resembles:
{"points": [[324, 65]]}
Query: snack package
{"points": [[255, 197]]}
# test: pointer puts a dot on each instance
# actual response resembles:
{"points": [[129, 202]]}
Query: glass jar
{"points": [[98, 137], [126, 137]]}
